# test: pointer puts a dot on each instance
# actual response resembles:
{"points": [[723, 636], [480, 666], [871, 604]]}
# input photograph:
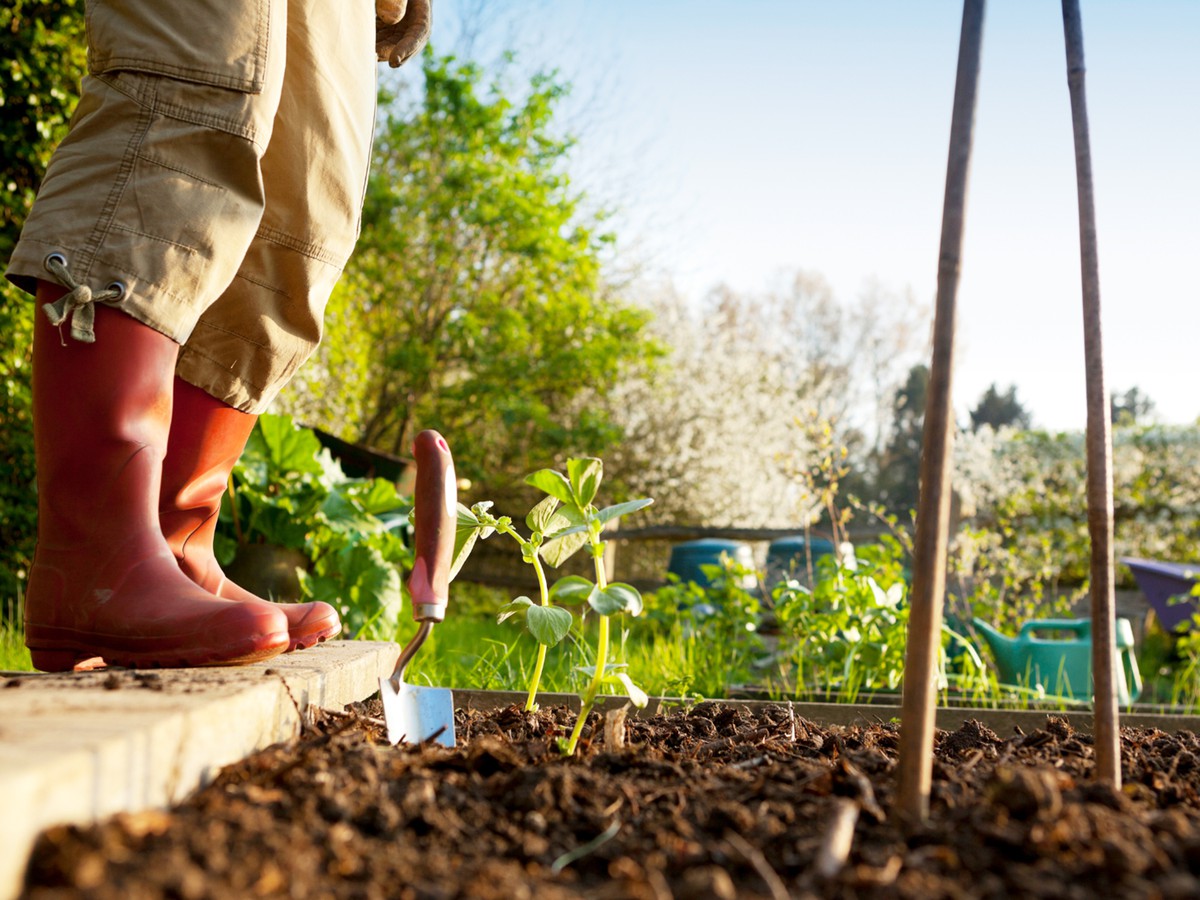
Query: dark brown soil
{"points": [[713, 802]]}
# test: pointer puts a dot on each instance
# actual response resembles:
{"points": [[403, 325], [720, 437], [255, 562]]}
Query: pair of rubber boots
{"points": [[131, 467]]}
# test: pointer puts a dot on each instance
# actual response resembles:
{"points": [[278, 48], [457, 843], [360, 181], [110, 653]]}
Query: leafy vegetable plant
{"points": [[561, 524], [850, 628], [708, 637], [289, 492]]}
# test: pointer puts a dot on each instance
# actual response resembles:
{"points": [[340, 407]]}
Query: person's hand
{"points": [[401, 29]]}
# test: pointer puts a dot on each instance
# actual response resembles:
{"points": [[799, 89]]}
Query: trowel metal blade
{"points": [[417, 714]]}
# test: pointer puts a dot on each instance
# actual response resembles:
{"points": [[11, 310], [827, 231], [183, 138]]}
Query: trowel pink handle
{"points": [[435, 516]]}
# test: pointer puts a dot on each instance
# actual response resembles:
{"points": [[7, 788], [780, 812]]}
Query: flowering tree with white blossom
{"points": [[1025, 550]]}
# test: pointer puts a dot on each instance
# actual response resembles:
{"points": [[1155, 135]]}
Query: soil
{"points": [[713, 802]]}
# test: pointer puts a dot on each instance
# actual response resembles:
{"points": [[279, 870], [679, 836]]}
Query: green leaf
{"points": [[557, 524], [616, 598], [289, 448], [558, 550], [378, 496], [320, 587], [466, 532], [343, 514], [571, 589], [367, 586], [331, 469], [548, 624], [564, 518], [622, 509], [636, 695], [585, 475], [568, 534], [466, 516], [553, 483], [542, 515], [252, 468], [519, 606], [631, 597], [285, 523], [568, 531]]}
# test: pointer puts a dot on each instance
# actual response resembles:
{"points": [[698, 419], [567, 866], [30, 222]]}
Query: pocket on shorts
{"points": [[222, 43]]}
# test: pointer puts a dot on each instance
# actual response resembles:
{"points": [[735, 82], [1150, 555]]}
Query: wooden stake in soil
{"points": [[933, 507], [1099, 424]]}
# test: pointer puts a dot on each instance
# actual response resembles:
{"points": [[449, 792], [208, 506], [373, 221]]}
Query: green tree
{"points": [[900, 465], [43, 51], [42, 58], [475, 302], [1131, 408], [999, 409]]}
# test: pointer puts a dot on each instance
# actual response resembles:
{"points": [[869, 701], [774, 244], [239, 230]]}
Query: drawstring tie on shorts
{"points": [[78, 303]]}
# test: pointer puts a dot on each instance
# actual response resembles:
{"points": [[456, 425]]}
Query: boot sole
{"points": [[305, 641], [67, 656]]}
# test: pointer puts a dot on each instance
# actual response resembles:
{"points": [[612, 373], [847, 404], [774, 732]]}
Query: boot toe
{"points": [[310, 623], [241, 632]]}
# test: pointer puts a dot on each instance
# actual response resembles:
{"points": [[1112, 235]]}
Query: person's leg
{"points": [[207, 438], [250, 342], [157, 187], [268, 321], [103, 582], [149, 203]]}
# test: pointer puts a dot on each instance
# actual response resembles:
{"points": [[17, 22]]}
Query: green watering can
{"points": [[1062, 667]]}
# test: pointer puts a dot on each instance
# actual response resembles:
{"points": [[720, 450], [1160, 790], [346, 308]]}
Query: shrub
{"points": [[289, 492]]}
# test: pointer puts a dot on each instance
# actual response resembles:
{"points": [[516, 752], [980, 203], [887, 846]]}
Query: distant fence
{"points": [[639, 556]]}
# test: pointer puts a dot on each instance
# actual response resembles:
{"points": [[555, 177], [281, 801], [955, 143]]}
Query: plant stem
{"points": [[530, 705], [504, 527], [543, 597], [589, 696]]}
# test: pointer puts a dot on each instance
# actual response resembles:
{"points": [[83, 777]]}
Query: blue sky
{"points": [[744, 139]]}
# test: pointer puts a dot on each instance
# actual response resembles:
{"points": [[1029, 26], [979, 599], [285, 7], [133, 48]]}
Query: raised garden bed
{"points": [[721, 800]]}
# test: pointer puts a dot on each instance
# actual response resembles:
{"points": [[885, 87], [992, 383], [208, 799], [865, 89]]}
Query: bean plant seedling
{"points": [[548, 623], [561, 524]]}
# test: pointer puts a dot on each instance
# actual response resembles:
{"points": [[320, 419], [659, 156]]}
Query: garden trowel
{"points": [[416, 714]]}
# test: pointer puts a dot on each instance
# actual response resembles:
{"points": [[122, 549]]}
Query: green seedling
{"points": [[548, 623], [561, 524], [575, 491]]}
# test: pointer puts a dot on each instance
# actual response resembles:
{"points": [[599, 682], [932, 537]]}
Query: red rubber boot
{"points": [[207, 437], [103, 582]]}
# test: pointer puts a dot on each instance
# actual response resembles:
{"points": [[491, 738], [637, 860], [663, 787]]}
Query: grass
{"points": [[1170, 666], [472, 652], [13, 655], [666, 656], [680, 661]]}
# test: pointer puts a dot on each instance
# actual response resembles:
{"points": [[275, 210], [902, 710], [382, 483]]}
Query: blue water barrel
{"points": [[688, 557], [787, 557]]}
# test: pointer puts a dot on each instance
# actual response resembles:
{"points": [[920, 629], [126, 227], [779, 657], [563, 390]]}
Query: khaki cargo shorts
{"points": [[213, 177]]}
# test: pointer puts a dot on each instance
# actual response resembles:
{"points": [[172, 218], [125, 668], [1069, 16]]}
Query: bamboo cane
{"points": [[1099, 424], [933, 506]]}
